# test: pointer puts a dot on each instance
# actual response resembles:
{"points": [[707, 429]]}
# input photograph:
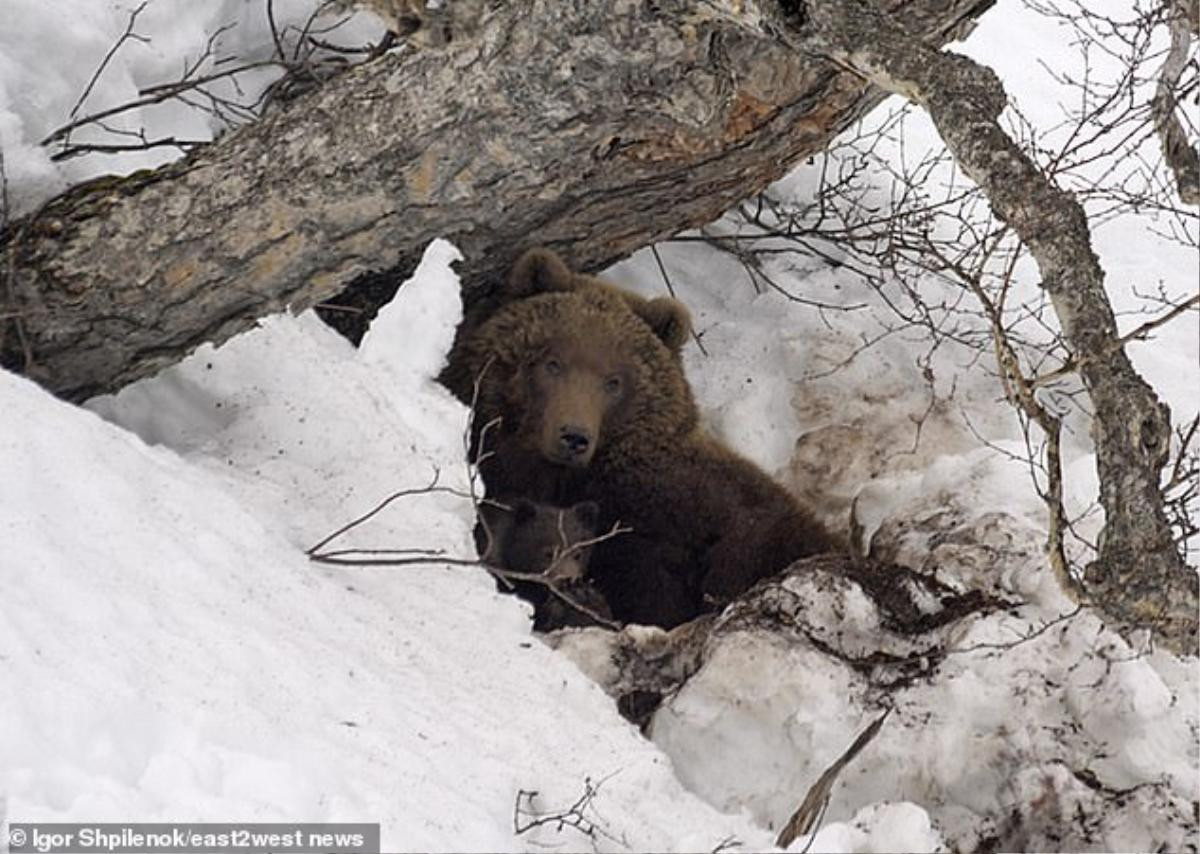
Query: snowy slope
{"points": [[171, 654]]}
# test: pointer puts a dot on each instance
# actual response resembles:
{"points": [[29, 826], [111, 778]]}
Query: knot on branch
{"points": [[1152, 435], [956, 79], [1137, 597]]}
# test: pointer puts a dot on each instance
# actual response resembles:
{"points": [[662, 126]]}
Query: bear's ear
{"points": [[588, 514], [524, 511], [538, 271], [670, 320]]}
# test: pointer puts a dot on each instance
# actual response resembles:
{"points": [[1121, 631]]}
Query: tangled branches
{"points": [[226, 87]]}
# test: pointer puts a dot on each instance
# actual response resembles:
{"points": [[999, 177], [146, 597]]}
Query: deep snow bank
{"points": [[168, 653]]}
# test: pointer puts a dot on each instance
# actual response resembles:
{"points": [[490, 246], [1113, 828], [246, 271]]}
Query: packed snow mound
{"points": [[1012, 725], [179, 658], [1100, 741]]}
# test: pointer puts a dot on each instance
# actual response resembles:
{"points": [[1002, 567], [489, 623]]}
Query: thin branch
{"points": [[403, 493], [1138, 334], [128, 35], [152, 95], [4, 203], [671, 290], [1025, 638], [415, 560], [576, 816], [555, 589], [70, 151], [475, 453], [280, 53]]}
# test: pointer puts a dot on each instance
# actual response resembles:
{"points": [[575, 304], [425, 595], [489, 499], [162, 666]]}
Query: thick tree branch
{"points": [[1181, 156], [1139, 579], [592, 128]]}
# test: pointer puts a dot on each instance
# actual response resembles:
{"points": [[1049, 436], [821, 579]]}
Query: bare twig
{"points": [[1020, 393], [475, 452], [729, 843], [280, 53], [662, 270], [69, 151], [415, 560], [403, 493], [1138, 334], [1026, 637], [126, 36], [577, 816], [1182, 489], [303, 69], [4, 204], [152, 95]]}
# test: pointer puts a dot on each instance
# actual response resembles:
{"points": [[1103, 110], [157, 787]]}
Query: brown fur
{"points": [[707, 524], [542, 271], [526, 536]]}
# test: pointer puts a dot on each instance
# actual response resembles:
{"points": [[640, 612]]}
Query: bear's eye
{"points": [[554, 367], [612, 385]]}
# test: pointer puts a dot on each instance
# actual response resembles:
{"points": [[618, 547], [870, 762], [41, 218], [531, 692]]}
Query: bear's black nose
{"points": [[573, 441]]}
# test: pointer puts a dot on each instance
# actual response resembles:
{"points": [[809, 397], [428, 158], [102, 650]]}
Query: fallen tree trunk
{"points": [[591, 128]]}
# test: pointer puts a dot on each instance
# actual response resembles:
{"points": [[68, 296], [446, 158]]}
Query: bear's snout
{"points": [[574, 445]]}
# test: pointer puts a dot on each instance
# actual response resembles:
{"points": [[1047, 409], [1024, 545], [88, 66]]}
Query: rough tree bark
{"points": [[1139, 579], [1182, 158], [594, 128]]}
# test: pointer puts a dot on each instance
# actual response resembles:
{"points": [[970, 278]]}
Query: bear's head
{"points": [[540, 271], [577, 375], [528, 536]]}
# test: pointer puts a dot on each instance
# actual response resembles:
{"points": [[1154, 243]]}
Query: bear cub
{"points": [[531, 537]]}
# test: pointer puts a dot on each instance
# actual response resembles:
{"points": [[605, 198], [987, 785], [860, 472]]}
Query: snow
{"points": [[38, 90], [1074, 697], [168, 651], [879, 827], [179, 658]]}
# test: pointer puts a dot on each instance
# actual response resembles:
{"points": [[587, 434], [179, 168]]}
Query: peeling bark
{"points": [[592, 128], [1139, 579]]}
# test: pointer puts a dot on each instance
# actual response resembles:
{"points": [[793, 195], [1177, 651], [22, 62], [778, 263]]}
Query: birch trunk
{"points": [[1139, 579]]}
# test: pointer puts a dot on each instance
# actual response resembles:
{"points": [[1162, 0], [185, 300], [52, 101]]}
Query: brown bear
{"points": [[541, 271], [525, 536], [582, 396]]}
